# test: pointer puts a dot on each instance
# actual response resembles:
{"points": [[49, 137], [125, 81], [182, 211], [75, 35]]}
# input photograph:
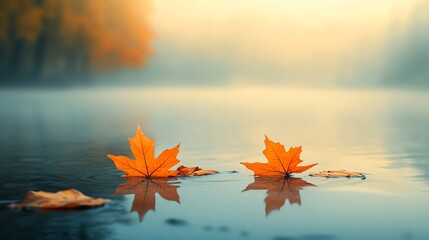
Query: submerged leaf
{"points": [[280, 162], [70, 198], [194, 171], [338, 173], [145, 164], [279, 190], [144, 190]]}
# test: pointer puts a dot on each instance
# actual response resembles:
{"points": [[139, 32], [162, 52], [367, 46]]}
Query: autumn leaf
{"points": [[193, 171], [144, 190], [339, 173], [280, 162], [145, 164], [279, 190], [65, 199]]}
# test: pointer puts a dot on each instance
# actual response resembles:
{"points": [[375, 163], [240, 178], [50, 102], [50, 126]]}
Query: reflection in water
{"points": [[279, 190], [409, 125], [145, 189], [307, 237], [81, 224]]}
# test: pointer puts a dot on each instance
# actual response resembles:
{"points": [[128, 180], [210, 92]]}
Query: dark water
{"points": [[57, 139]]}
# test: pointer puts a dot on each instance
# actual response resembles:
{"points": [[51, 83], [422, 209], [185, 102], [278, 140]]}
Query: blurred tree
{"points": [[48, 41]]}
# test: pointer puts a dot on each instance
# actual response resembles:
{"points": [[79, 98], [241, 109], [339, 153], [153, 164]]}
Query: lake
{"points": [[59, 138]]}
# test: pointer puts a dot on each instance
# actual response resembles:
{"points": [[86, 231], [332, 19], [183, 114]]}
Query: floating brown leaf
{"points": [[338, 173], [145, 164], [279, 190], [194, 171], [70, 198], [280, 162], [145, 189]]}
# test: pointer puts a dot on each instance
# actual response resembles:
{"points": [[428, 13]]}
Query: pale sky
{"points": [[259, 41]]}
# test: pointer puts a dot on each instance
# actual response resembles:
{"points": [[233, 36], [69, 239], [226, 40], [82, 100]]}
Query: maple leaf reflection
{"points": [[279, 190], [145, 189]]}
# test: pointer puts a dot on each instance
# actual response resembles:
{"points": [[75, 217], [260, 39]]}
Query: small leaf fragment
{"points": [[65, 199], [194, 171], [338, 173]]}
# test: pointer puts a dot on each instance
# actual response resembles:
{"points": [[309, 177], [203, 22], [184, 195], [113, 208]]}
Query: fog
{"points": [[186, 43]]}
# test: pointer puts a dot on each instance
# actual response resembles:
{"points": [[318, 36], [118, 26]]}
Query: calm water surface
{"points": [[57, 139]]}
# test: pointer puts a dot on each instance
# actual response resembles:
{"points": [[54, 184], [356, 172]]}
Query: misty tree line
{"points": [[52, 41]]}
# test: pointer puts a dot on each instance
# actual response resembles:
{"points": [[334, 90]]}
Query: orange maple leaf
{"points": [[279, 190], [144, 190], [280, 162], [145, 164]]}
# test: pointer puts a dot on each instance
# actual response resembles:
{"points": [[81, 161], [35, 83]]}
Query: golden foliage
{"points": [[101, 34]]}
